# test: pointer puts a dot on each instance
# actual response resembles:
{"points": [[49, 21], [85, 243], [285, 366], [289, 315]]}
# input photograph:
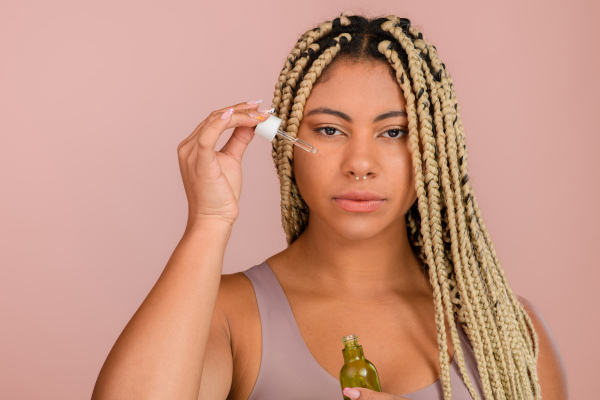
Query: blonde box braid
{"points": [[486, 254], [433, 213], [444, 226]]}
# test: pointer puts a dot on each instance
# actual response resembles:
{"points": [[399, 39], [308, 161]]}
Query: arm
{"points": [[160, 353], [551, 369]]}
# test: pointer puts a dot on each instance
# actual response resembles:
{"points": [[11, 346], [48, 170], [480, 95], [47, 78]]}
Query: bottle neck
{"points": [[353, 353]]}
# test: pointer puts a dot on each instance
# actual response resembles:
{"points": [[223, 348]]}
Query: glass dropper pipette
{"points": [[271, 127]]}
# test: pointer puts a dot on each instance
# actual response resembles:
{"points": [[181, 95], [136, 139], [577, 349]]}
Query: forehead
{"points": [[356, 83]]}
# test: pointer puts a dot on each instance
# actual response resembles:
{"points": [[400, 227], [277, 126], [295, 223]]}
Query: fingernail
{"points": [[257, 116], [254, 101], [352, 393], [263, 109], [227, 114]]}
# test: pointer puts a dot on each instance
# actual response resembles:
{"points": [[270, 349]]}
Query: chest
{"points": [[400, 341]]}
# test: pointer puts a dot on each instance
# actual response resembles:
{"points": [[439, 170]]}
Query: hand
{"points": [[368, 394], [213, 179]]}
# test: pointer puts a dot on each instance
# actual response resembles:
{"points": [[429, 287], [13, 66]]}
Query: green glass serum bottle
{"points": [[357, 371]]}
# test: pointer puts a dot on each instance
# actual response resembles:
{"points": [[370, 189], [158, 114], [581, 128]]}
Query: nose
{"points": [[361, 158]]}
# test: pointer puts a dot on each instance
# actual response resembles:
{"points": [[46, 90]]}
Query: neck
{"points": [[368, 267]]}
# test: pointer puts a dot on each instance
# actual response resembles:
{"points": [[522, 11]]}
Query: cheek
{"points": [[404, 173], [309, 171]]}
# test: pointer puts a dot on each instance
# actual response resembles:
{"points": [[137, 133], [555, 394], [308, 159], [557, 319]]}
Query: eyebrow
{"points": [[329, 111]]}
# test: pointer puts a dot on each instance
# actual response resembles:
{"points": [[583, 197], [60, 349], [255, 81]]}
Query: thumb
{"points": [[368, 394]]}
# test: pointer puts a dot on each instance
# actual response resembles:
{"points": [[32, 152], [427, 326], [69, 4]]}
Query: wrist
{"points": [[214, 225]]}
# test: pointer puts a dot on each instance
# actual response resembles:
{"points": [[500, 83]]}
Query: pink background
{"points": [[96, 96]]}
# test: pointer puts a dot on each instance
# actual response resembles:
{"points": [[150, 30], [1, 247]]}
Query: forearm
{"points": [[159, 354]]}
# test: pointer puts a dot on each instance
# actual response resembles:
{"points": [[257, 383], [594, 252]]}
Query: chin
{"points": [[358, 230]]}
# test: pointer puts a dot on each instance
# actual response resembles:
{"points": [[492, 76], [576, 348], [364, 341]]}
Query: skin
{"points": [[363, 259]]}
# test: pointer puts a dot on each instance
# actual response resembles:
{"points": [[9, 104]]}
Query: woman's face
{"points": [[356, 117]]}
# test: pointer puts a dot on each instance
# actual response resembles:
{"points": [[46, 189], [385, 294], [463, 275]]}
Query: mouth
{"points": [[359, 201], [363, 206]]}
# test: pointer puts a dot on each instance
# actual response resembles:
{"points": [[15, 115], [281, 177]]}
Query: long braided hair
{"points": [[444, 225]]}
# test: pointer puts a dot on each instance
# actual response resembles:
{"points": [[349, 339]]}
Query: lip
{"points": [[359, 195], [363, 206], [358, 201]]}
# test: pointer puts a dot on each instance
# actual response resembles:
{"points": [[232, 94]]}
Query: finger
{"points": [[243, 118], [238, 107], [241, 137], [367, 394], [249, 105], [238, 142]]}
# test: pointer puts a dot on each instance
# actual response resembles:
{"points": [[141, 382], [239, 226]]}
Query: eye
{"points": [[396, 133], [327, 131]]}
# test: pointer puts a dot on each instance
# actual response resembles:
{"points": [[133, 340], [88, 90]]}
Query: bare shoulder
{"points": [[236, 303], [233, 313], [551, 368], [238, 307], [236, 295], [235, 306]]}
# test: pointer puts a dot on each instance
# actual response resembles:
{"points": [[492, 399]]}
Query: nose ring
{"points": [[364, 177]]}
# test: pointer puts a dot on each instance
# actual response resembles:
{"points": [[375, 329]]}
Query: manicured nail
{"points": [[352, 393], [254, 101], [263, 109], [227, 114], [257, 116]]}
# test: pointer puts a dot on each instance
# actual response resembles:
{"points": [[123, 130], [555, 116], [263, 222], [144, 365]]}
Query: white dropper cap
{"points": [[270, 127]]}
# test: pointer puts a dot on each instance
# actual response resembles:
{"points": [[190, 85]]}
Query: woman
{"points": [[380, 222]]}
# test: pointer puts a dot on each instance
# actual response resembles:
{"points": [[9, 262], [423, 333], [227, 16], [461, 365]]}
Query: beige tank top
{"points": [[286, 363]]}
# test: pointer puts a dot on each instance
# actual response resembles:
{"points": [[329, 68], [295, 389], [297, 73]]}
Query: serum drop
{"points": [[357, 371]]}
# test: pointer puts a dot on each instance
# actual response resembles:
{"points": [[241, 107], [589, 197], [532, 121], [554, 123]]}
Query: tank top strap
{"points": [[286, 362], [459, 388], [278, 325]]}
